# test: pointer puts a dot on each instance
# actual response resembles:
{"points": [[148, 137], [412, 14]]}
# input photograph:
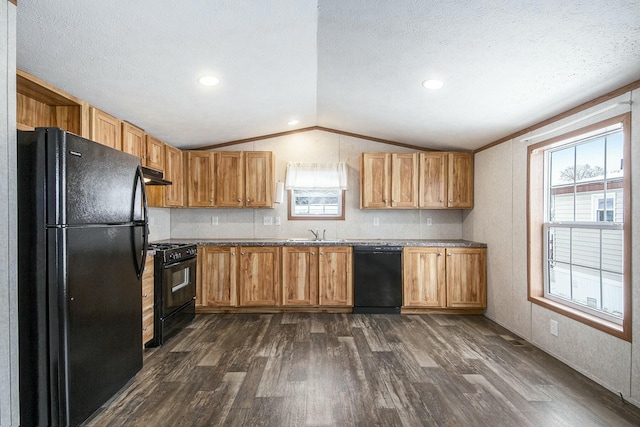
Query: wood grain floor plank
{"points": [[324, 369]]}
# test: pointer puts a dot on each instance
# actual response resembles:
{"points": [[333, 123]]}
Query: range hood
{"points": [[153, 177]]}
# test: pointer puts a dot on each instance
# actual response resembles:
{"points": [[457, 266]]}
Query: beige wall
{"points": [[315, 146], [499, 219], [8, 239]]}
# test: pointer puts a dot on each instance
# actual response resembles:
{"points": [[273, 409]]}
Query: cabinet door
{"points": [[466, 278], [259, 276], [154, 153], [335, 276], [433, 180], [147, 301], [300, 275], [404, 180], [133, 139], [218, 274], [229, 179], [460, 188], [174, 193], [105, 129], [375, 175], [201, 178], [259, 176], [424, 278]]}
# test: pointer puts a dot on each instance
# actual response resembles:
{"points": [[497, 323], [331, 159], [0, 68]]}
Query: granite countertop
{"points": [[445, 243]]}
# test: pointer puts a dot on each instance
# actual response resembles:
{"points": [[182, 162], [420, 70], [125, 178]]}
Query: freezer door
{"points": [[89, 183], [99, 318]]}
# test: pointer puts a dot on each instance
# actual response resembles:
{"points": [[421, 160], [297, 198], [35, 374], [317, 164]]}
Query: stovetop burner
{"points": [[173, 251]]}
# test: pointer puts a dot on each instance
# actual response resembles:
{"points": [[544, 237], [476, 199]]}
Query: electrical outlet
{"points": [[376, 222], [277, 221], [553, 327], [429, 222], [267, 220], [214, 220]]}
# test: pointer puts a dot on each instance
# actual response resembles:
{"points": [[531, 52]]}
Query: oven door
{"points": [[178, 285]]}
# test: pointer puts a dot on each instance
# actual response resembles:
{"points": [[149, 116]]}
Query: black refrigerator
{"points": [[82, 238]]}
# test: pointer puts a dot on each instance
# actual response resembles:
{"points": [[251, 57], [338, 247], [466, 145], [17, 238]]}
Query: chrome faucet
{"points": [[316, 234]]}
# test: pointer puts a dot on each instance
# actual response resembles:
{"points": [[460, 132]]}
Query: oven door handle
{"points": [[180, 286], [166, 266]]}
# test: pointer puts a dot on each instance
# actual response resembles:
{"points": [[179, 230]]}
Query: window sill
{"points": [[619, 331]]}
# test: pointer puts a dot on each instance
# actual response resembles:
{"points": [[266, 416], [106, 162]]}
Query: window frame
{"points": [[294, 217], [536, 186]]}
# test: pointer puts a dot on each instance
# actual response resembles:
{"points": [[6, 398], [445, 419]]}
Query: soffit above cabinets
{"points": [[355, 66]]}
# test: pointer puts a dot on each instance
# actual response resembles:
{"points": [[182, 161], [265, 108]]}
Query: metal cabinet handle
{"points": [[448, 254], [144, 295], [450, 201], [439, 253], [240, 200]]}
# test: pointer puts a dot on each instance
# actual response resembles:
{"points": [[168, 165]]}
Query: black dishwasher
{"points": [[377, 279]]}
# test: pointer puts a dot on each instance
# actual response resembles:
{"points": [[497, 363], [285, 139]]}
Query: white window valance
{"points": [[316, 175]]}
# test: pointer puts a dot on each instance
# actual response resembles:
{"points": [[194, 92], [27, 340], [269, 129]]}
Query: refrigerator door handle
{"points": [[144, 222]]}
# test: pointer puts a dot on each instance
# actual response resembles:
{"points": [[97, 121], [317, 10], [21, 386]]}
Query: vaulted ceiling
{"points": [[351, 65]]}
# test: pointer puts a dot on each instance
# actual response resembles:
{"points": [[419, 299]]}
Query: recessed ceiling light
{"points": [[432, 84], [293, 122], [208, 80]]}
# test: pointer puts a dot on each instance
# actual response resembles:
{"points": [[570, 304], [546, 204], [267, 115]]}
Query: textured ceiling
{"points": [[355, 65]]}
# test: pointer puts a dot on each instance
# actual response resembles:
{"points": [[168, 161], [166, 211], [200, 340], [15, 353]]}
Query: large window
{"points": [[578, 225]]}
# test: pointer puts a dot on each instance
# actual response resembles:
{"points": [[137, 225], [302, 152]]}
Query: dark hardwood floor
{"points": [[317, 369]]}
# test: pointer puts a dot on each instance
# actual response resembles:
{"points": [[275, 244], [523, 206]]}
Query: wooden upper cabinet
{"points": [[244, 179], [259, 179], [404, 180], [446, 180], [39, 104], [389, 180], [375, 176], [433, 180], [335, 276], [466, 277], [300, 275], [460, 184], [217, 276], [105, 129], [259, 276], [154, 153], [229, 179], [174, 193], [424, 279], [201, 178], [133, 140]]}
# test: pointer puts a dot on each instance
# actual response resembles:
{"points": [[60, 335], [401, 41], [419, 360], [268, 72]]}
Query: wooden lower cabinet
{"points": [[424, 279], [466, 278], [147, 301], [259, 276], [217, 276], [300, 275], [335, 276], [451, 278], [317, 276]]}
